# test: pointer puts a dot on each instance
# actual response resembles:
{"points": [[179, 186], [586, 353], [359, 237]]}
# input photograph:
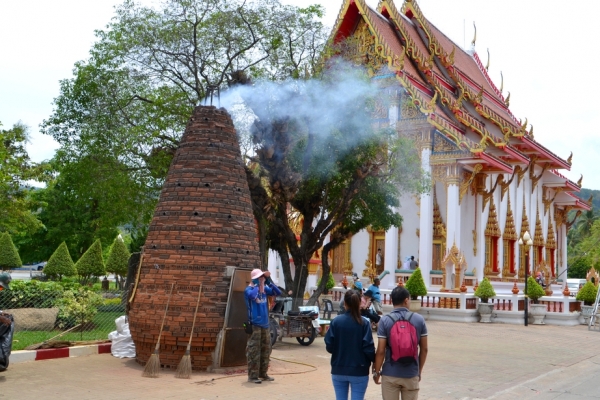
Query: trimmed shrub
{"points": [[587, 294], [485, 290], [60, 263], [415, 285], [9, 256], [91, 264], [330, 283], [534, 290], [118, 258]]}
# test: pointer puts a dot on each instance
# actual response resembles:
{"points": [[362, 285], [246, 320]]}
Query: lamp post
{"points": [[526, 242]]}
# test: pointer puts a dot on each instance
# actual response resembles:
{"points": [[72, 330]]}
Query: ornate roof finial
{"points": [[580, 180], [589, 201], [531, 132], [474, 35], [507, 100], [451, 56], [501, 82], [570, 159], [487, 65]]}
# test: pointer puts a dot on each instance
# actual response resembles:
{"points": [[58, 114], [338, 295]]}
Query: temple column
{"points": [[426, 224], [273, 266], [391, 255], [453, 216], [561, 251]]}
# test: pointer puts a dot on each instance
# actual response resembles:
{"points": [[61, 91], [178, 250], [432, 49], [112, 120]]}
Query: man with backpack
{"points": [[402, 343]]}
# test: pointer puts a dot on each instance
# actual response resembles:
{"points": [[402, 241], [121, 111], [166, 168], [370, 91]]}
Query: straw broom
{"points": [[152, 368], [184, 369]]}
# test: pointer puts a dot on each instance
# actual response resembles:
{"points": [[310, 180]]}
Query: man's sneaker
{"points": [[267, 378], [254, 380]]}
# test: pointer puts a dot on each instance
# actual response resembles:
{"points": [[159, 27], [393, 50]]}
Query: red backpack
{"points": [[403, 341]]}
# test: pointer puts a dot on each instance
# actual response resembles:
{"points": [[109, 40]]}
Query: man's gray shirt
{"points": [[398, 369]]}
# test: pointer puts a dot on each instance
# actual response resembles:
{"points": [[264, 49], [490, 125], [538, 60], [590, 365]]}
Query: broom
{"points": [[152, 368], [184, 369]]}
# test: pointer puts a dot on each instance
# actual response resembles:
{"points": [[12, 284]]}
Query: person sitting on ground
{"points": [[365, 307], [376, 299]]}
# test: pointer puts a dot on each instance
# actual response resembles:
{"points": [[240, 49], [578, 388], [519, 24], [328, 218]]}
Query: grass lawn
{"points": [[104, 322]]}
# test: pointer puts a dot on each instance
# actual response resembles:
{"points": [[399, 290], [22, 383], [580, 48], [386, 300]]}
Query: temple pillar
{"points": [[272, 266], [426, 224], [390, 260], [453, 224], [561, 251]]}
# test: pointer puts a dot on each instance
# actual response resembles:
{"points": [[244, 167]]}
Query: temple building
{"points": [[492, 180]]}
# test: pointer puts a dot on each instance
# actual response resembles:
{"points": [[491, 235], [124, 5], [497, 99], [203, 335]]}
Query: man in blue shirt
{"points": [[399, 377], [258, 348], [376, 296]]}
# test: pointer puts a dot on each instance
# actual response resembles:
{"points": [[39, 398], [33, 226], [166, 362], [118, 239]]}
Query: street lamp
{"points": [[526, 242]]}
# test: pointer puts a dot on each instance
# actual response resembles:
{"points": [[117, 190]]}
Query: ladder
{"points": [[592, 323]]}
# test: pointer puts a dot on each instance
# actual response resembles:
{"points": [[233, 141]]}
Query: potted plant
{"points": [[416, 287], [587, 294], [485, 291], [534, 292]]}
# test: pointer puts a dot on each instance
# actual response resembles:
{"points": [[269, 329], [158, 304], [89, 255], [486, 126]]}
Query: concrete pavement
{"points": [[466, 361]]}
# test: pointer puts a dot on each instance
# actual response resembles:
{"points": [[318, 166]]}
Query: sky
{"points": [[546, 50]]}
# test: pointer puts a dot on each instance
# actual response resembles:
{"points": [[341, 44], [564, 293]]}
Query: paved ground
{"points": [[466, 361]]}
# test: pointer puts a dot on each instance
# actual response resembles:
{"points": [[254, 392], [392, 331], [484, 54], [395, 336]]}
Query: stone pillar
{"points": [[390, 261]]}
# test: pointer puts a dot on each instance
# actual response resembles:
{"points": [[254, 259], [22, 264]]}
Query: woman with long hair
{"points": [[350, 342]]}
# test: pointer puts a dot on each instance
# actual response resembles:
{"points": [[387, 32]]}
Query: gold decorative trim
{"points": [[492, 228], [504, 185], [538, 238], [474, 242], [458, 260], [547, 202], [510, 230], [535, 179], [439, 228], [464, 186], [550, 239]]}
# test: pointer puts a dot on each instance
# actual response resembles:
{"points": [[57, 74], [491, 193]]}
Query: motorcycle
{"points": [[303, 325]]}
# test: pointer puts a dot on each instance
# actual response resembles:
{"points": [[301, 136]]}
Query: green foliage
{"points": [[78, 307], [330, 282], [9, 256], [587, 294], [534, 290], [118, 257], [485, 290], [415, 285], [120, 118], [31, 294], [60, 263], [91, 263], [17, 210]]}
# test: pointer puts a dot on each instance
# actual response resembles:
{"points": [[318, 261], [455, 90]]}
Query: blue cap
{"points": [[358, 285]]}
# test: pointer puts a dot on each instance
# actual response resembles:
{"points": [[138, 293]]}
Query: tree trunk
{"points": [[321, 288]]}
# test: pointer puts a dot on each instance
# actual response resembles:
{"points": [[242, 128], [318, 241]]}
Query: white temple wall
{"points": [[409, 241], [359, 251]]}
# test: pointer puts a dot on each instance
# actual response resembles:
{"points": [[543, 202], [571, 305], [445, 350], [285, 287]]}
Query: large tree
{"points": [[125, 109], [322, 170], [16, 169]]}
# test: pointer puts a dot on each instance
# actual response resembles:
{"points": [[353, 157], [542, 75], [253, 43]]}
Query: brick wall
{"points": [[203, 222]]}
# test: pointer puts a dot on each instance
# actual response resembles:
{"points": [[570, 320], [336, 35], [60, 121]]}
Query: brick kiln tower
{"points": [[203, 222]]}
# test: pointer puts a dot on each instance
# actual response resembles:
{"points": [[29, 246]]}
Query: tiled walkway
{"points": [[466, 361]]}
